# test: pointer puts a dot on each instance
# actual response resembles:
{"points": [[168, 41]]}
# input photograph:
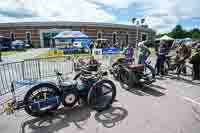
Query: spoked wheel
{"points": [[124, 75], [166, 67], [115, 68], [185, 72], [39, 93], [102, 95], [149, 72]]}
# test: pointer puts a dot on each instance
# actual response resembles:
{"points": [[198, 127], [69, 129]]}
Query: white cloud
{"points": [[161, 14], [71, 10]]}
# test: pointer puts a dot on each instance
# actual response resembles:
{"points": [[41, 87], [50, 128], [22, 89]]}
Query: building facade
{"points": [[40, 34]]}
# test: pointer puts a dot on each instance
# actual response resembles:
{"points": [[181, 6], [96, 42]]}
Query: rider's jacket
{"points": [[162, 50], [128, 53], [184, 52], [195, 59]]}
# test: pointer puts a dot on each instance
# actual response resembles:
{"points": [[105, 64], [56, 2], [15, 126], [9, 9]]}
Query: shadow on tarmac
{"points": [[109, 118], [181, 79], [143, 90], [77, 116]]}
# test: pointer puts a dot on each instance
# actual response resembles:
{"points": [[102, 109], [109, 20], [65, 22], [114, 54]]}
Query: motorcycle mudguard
{"points": [[47, 83]]}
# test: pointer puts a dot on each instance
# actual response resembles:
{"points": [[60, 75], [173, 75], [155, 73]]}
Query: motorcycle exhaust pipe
{"points": [[45, 103]]}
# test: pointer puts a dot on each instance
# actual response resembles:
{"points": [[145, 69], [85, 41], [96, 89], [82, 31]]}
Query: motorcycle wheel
{"points": [[187, 75], [102, 95], [124, 75], [115, 71], [40, 92], [166, 67], [115, 64], [149, 71]]}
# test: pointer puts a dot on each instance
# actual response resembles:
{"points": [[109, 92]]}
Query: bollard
{"points": [[13, 93]]}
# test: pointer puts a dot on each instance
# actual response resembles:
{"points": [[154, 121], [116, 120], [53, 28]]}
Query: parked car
{"points": [[5, 43], [19, 45]]}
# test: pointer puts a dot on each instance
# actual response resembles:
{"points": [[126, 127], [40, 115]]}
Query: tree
{"points": [[178, 32], [196, 35]]}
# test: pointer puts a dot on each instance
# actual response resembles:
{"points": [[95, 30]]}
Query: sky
{"points": [[160, 15]]}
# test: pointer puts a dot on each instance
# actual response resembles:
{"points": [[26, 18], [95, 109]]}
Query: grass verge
{"points": [[7, 53]]}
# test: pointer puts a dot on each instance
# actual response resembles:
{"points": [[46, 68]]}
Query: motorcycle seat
{"points": [[136, 67]]}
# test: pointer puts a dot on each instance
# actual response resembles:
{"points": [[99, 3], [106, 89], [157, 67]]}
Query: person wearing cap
{"points": [[144, 52], [195, 61]]}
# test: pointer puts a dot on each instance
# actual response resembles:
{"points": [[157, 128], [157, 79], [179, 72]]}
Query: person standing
{"points": [[195, 61], [93, 64], [144, 52], [91, 47], [183, 53], [128, 53], [161, 56]]}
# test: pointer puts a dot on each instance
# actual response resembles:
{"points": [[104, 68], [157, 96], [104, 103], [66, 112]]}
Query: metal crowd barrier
{"points": [[33, 69]]}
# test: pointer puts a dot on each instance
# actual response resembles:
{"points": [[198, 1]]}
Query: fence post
{"points": [[23, 72], [39, 69]]}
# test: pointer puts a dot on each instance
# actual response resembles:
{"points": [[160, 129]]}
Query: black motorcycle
{"points": [[46, 97], [133, 74]]}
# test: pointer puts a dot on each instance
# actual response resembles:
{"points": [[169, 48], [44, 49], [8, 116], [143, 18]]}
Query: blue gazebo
{"points": [[74, 36]]}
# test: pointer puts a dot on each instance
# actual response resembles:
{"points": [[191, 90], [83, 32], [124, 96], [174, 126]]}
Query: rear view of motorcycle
{"points": [[133, 74], [45, 97]]}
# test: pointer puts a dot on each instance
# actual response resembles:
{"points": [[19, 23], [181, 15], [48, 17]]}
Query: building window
{"points": [[114, 40], [99, 36], [12, 36], [144, 36], [127, 39], [28, 37]]}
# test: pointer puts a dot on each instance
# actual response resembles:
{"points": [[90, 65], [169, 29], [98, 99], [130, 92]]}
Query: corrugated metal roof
{"points": [[69, 23]]}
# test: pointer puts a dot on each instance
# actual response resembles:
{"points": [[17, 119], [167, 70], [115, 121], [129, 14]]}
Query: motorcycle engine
{"points": [[69, 95]]}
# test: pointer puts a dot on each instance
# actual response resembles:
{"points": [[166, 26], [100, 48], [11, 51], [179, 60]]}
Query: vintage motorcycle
{"points": [[181, 69], [133, 74], [46, 97]]}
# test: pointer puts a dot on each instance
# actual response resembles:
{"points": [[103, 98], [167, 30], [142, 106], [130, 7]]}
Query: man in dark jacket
{"points": [[91, 47], [161, 53], [195, 60]]}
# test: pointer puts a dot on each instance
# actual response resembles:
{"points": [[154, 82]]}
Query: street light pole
{"points": [[0, 54]]}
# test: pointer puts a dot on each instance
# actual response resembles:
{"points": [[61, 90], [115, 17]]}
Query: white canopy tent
{"points": [[101, 39], [165, 37]]}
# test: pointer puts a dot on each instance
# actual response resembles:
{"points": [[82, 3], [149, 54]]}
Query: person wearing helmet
{"points": [[144, 52], [182, 54], [195, 61]]}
